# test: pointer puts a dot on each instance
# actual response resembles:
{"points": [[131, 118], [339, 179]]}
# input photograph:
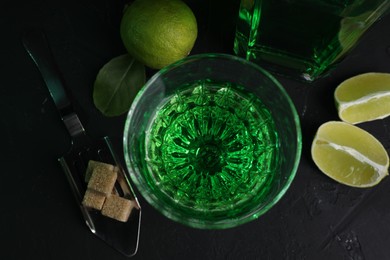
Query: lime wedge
{"points": [[364, 97], [349, 155]]}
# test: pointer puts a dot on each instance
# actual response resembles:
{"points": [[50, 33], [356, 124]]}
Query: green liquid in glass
{"points": [[302, 38], [212, 148]]}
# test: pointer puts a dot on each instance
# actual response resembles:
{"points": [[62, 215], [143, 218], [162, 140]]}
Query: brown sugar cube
{"points": [[102, 180], [117, 208], [93, 164], [93, 199]]}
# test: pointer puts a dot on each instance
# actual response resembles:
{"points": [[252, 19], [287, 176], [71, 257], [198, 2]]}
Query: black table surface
{"points": [[39, 219]]}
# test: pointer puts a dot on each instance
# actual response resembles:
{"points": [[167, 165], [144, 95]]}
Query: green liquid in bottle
{"points": [[212, 148], [302, 38]]}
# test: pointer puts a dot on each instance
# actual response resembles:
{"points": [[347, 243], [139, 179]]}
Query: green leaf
{"points": [[117, 84]]}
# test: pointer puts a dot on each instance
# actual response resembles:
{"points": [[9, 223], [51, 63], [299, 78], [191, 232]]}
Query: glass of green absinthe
{"points": [[212, 141]]}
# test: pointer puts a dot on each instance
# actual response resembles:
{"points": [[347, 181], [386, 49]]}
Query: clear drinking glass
{"points": [[302, 39], [212, 141]]}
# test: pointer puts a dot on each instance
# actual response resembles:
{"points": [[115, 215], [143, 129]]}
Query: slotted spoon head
{"points": [[123, 236]]}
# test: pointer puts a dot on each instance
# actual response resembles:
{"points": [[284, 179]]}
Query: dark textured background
{"points": [[39, 219]]}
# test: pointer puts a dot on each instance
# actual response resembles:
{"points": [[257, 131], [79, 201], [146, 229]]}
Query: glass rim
{"points": [[194, 222]]}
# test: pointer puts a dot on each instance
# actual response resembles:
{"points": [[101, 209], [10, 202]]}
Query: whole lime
{"points": [[158, 32]]}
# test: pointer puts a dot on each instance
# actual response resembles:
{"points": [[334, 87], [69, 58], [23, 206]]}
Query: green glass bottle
{"points": [[302, 39]]}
